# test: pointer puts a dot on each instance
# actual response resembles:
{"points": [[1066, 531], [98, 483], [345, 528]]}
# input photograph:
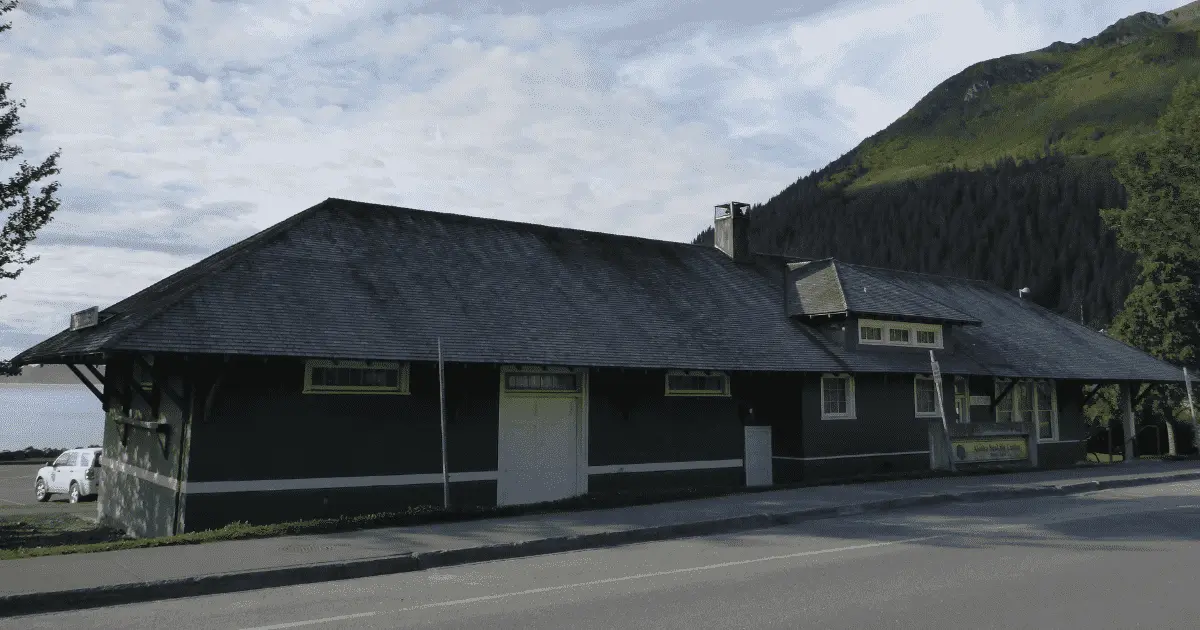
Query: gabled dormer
{"points": [[868, 308]]}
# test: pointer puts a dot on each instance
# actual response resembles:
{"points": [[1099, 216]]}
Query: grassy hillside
{"points": [[999, 173], [1030, 224], [1088, 98]]}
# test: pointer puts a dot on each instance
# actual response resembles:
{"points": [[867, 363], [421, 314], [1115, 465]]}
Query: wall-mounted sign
{"points": [[981, 401], [86, 318], [990, 449]]}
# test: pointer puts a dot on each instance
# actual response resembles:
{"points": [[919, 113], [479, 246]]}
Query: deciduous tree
{"points": [[27, 196]]}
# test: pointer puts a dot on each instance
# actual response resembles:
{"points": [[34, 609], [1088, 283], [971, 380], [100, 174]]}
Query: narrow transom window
{"points": [[360, 377], [837, 396], [927, 337], [541, 381], [898, 335], [697, 384]]}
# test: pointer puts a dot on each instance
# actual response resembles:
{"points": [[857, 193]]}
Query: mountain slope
{"points": [[1088, 98], [999, 172]]}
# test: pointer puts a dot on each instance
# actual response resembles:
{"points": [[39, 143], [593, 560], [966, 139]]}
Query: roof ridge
{"points": [[526, 224], [232, 254], [921, 273], [837, 278]]}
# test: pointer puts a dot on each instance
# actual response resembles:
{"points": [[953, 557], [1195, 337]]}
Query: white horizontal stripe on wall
{"points": [[140, 473], [811, 459], [329, 483], [665, 466]]}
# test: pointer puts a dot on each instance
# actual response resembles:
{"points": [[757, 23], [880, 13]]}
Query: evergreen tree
{"points": [[1161, 224], [1162, 179]]}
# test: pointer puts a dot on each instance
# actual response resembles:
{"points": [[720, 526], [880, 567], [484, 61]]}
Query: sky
{"points": [[187, 125]]}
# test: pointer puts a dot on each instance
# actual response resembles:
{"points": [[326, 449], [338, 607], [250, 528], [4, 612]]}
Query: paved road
{"points": [[16, 495], [1112, 559]]}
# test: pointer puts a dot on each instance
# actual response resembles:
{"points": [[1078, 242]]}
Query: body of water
{"points": [[49, 416]]}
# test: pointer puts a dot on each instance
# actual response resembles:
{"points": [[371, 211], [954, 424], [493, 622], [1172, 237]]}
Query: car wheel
{"points": [[40, 491], [74, 494]]}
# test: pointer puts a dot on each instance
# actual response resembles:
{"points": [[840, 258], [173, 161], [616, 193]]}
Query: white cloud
{"points": [[187, 127]]}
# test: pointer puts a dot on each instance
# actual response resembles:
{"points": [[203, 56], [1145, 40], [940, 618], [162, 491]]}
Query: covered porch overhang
{"points": [[1130, 393]]}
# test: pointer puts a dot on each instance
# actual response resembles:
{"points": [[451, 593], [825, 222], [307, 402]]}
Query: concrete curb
{"points": [[58, 601]]}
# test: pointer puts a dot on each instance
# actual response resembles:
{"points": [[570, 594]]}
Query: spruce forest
{"points": [[1034, 223]]}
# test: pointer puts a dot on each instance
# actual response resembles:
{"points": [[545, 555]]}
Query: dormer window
{"points": [[902, 334]]}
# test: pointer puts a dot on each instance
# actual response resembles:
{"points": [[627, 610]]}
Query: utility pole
{"points": [[442, 403]]}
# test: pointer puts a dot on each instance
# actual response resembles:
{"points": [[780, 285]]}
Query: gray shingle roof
{"points": [[345, 279], [828, 287]]}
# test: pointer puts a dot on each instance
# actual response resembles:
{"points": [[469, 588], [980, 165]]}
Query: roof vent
{"points": [[731, 230]]}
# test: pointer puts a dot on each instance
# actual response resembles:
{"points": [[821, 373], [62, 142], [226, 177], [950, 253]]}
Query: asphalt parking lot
{"points": [[16, 494]]}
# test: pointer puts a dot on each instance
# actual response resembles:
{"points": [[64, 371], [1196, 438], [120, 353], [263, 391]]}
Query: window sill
{"points": [[929, 415], [839, 417]]}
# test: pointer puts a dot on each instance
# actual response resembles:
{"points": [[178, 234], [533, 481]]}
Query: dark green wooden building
{"points": [[294, 374]]}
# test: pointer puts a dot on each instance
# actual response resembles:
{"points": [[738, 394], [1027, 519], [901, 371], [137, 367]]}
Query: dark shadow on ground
{"points": [[29, 530]]}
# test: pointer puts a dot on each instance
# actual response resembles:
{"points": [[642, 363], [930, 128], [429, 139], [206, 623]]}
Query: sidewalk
{"points": [[49, 583]]}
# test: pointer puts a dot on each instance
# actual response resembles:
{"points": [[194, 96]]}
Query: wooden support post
{"points": [[1187, 384], [86, 382], [1126, 412], [159, 383], [1142, 394], [96, 373], [1003, 393]]}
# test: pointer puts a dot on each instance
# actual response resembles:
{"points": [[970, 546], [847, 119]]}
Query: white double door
{"points": [[540, 446]]}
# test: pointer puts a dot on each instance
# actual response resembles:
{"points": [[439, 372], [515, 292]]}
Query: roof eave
{"points": [[918, 318]]}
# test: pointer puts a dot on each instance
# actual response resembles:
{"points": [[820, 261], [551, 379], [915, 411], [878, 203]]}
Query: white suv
{"points": [[75, 472]]}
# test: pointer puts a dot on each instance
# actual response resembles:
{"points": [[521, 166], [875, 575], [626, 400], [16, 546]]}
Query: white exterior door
{"points": [[538, 455], [758, 456]]}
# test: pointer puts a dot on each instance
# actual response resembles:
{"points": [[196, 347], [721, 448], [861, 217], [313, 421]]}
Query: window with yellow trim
{"points": [[697, 383], [355, 377]]}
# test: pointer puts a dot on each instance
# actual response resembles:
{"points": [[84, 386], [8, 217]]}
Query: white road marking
{"points": [[624, 578]]}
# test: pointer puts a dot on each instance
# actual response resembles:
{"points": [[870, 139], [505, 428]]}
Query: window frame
{"points": [[696, 393], [1016, 401], [850, 413], [917, 379], [403, 378], [914, 329], [506, 372]]}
